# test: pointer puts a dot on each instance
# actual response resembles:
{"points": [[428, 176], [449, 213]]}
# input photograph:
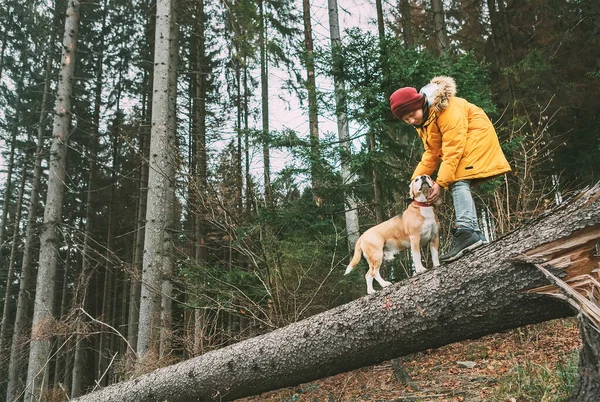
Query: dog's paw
{"points": [[385, 284]]}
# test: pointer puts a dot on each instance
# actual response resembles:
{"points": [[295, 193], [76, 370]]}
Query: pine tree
{"points": [[43, 317], [342, 122], [160, 181]]}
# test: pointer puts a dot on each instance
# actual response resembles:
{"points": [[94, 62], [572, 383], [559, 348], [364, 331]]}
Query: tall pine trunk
{"points": [[135, 288], [198, 168], [5, 325], [15, 243], [101, 340], [313, 117], [264, 84], [439, 24], [43, 317], [351, 208], [159, 181], [21, 324], [166, 311], [408, 31], [142, 202], [377, 189]]}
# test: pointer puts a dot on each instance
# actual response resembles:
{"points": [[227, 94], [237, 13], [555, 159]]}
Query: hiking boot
{"points": [[481, 236], [463, 240]]}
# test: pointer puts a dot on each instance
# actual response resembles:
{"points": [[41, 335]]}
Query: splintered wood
{"points": [[577, 259]]}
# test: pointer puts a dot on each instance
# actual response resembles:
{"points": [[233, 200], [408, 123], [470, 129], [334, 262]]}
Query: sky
{"points": [[288, 114]]}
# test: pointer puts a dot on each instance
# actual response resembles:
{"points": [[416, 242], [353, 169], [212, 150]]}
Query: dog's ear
{"points": [[411, 192]]}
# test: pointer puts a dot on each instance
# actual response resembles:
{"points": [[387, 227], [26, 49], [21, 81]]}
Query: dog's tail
{"points": [[355, 258]]}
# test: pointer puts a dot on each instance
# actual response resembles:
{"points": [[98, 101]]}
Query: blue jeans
{"points": [[464, 207]]}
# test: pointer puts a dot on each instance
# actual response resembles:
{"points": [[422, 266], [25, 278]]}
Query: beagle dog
{"points": [[417, 226]]}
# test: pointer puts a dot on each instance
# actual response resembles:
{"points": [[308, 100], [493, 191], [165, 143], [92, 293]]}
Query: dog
{"points": [[417, 226]]}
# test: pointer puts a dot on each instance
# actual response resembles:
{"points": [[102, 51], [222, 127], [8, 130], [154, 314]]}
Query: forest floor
{"points": [[536, 363]]}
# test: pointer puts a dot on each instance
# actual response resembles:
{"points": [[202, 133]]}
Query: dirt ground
{"points": [[470, 371]]}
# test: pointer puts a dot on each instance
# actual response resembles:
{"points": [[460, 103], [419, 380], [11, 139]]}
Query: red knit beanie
{"points": [[404, 101]]}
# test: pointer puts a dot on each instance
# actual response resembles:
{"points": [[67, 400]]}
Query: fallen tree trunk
{"points": [[491, 290]]}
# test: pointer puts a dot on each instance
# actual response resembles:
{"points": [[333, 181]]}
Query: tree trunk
{"points": [[7, 321], [43, 317], [199, 167], [264, 84], [408, 35], [313, 117], [439, 23], [140, 232], [5, 35], [61, 340], [101, 340], [244, 114], [78, 372], [588, 385], [377, 190], [492, 289], [138, 247], [166, 312], [351, 207], [159, 181], [5, 325], [21, 325], [200, 160]]}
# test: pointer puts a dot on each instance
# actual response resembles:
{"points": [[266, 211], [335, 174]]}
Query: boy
{"points": [[460, 138]]}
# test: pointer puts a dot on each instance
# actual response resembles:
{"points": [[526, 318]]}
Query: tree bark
{"points": [[159, 182], [166, 311], [377, 189], [439, 22], [90, 212], [313, 117], [6, 314], [21, 323], [342, 123], [588, 385], [43, 316], [140, 232], [264, 85], [199, 166], [408, 34], [491, 290]]}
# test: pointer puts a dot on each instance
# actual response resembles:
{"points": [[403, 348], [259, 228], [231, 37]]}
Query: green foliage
{"points": [[489, 186]]}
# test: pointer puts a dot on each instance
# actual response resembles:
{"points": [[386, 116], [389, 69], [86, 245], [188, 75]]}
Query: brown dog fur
{"points": [[418, 225]]}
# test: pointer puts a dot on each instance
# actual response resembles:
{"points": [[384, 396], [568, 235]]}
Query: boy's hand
{"points": [[435, 193]]}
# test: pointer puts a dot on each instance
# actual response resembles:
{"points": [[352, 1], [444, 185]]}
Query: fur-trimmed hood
{"points": [[439, 91]]}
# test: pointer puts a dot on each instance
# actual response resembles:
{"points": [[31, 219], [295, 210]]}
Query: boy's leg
{"points": [[466, 234], [466, 212], [464, 206]]}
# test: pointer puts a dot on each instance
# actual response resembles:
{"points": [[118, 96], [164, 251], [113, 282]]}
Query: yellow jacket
{"points": [[459, 137]]}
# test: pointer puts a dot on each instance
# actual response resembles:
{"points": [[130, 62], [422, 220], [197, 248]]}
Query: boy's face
{"points": [[414, 118]]}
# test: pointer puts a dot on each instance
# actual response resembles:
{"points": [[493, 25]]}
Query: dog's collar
{"points": [[422, 204]]}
